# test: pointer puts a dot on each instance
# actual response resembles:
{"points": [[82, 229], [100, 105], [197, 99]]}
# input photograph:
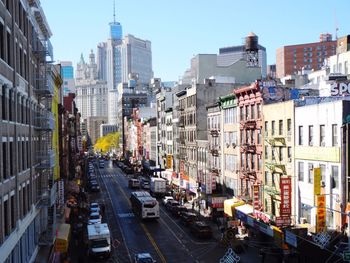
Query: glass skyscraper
{"points": [[116, 31]]}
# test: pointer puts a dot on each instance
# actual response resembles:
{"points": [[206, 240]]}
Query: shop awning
{"points": [[245, 209], [230, 204]]}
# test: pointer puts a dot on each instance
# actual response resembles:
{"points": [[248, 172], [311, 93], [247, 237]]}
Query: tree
{"points": [[107, 143]]}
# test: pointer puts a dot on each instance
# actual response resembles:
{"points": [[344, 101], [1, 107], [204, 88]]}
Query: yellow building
{"points": [[54, 109], [278, 155]]}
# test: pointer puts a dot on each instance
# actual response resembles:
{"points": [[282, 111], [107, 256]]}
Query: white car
{"points": [[95, 218], [143, 258], [166, 199]]}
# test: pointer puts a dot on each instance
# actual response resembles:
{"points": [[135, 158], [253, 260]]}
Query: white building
{"points": [[318, 124], [91, 93]]}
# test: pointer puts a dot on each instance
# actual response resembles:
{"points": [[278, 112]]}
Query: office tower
{"points": [[91, 92], [309, 56], [67, 74], [101, 60]]}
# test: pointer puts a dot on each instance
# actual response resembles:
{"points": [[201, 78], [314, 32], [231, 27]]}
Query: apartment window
{"points": [[289, 153], [280, 127], [266, 127], [4, 103], [4, 160], [300, 138], [335, 176], [301, 171], [9, 48], [323, 172], [2, 42], [272, 128], [281, 157], [241, 111], [259, 110], [12, 208], [266, 152], [311, 135], [252, 111], [11, 158], [247, 113], [334, 135], [266, 178], [273, 153], [259, 137], [310, 178], [322, 135], [6, 218]]}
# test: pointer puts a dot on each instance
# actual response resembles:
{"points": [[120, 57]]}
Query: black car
{"points": [[171, 204], [188, 218], [177, 210], [94, 186], [201, 229]]}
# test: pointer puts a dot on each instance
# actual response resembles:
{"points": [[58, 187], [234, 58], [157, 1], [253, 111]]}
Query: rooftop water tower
{"points": [[252, 50]]}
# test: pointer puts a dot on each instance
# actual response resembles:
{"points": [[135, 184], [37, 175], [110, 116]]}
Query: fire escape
{"points": [[214, 150], [44, 123], [275, 166]]}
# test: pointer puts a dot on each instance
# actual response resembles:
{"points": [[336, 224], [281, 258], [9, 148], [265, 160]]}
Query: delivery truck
{"points": [[157, 186], [99, 241]]}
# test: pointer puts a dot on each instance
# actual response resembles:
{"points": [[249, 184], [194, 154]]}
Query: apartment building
{"points": [[27, 155], [318, 144], [169, 147], [278, 133]]}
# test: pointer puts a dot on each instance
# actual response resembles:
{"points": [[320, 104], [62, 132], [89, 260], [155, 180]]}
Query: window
{"points": [[241, 111], [311, 135], [252, 111], [4, 103], [273, 153], [289, 153], [300, 138], [6, 218], [334, 135], [301, 171], [12, 208], [335, 177], [280, 127], [266, 152], [281, 156], [310, 178], [322, 135], [273, 128], [9, 48], [4, 160], [306, 212], [2, 42], [323, 172], [266, 127], [247, 113], [259, 137], [259, 110]]}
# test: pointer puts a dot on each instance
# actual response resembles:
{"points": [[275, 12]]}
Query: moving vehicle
{"points": [[143, 258], [157, 186], [144, 205], [188, 218], [176, 210], [99, 241], [145, 183], [134, 183], [94, 186], [171, 204], [101, 163]]}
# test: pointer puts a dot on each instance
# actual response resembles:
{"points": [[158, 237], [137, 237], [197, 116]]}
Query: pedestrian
{"points": [[193, 205]]}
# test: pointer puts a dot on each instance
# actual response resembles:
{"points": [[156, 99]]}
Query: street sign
{"points": [[283, 221], [346, 255]]}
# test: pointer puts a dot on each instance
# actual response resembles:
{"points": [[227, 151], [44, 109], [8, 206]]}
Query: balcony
{"points": [[248, 173], [46, 159], [248, 124], [271, 190], [45, 121], [248, 148], [44, 85], [276, 168], [215, 171]]}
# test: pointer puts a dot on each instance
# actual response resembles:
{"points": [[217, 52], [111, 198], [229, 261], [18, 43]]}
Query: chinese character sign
{"points": [[321, 213], [256, 196], [169, 161], [286, 192]]}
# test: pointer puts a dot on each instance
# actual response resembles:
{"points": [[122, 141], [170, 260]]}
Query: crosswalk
{"points": [[109, 175]]}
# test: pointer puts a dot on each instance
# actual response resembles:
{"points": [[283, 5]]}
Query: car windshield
{"points": [[99, 243], [94, 216]]}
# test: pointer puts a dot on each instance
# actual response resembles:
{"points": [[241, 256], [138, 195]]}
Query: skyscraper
{"points": [[67, 77], [101, 57]]}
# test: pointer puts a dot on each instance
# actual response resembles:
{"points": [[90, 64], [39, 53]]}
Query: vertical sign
{"points": [[286, 191], [321, 213], [208, 183], [317, 181], [182, 168], [169, 159], [256, 196]]}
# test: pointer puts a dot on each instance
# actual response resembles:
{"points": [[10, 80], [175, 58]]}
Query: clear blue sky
{"points": [[179, 29]]}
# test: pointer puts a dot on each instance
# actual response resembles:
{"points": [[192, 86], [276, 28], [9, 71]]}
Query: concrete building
{"points": [[278, 156], [67, 73], [93, 127], [91, 93], [107, 128], [28, 119], [169, 145], [318, 144], [294, 58], [193, 126], [204, 66]]}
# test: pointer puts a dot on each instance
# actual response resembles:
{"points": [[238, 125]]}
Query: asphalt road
{"points": [[165, 239]]}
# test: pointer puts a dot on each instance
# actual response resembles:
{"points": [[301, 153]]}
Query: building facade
{"points": [[93, 127], [67, 73]]}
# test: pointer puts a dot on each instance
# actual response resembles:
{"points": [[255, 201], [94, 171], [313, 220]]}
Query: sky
{"points": [[180, 29]]}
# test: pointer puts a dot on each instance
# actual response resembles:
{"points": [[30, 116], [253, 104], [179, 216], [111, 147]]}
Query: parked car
{"points": [[166, 199], [187, 218], [128, 170], [143, 258], [95, 218], [94, 186], [201, 229], [171, 204], [176, 210], [145, 184]]}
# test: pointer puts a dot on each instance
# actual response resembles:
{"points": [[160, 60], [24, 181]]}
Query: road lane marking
{"points": [[148, 234]]}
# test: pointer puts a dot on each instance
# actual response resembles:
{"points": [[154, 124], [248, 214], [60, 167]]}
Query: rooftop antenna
{"points": [[336, 39], [114, 11]]}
